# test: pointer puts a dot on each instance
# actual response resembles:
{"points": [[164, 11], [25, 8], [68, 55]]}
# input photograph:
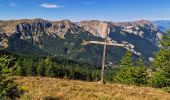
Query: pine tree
{"points": [[30, 67], [49, 68], [162, 58], [127, 60], [161, 78], [140, 72], [130, 74], [41, 69], [20, 67], [8, 89], [125, 69]]}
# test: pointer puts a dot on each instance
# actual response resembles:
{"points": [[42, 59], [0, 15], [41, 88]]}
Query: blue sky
{"points": [[76, 10]]}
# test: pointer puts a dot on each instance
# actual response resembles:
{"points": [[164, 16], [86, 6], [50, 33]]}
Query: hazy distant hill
{"points": [[64, 38], [163, 25]]}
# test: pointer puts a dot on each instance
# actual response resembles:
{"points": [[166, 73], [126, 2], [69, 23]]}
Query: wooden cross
{"points": [[106, 42]]}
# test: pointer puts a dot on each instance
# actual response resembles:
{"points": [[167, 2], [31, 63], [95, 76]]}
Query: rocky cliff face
{"points": [[34, 29], [97, 28], [64, 38], [143, 29]]}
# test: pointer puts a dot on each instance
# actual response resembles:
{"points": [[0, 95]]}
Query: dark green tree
{"points": [[8, 89], [159, 79], [49, 68], [161, 63], [20, 67], [41, 68], [127, 60], [30, 67], [130, 74], [124, 72]]}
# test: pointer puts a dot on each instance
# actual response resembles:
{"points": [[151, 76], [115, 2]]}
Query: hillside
{"points": [[40, 88], [64, 38]]}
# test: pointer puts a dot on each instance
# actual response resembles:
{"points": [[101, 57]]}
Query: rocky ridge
{"points": [[99, 29], [64, 38]]}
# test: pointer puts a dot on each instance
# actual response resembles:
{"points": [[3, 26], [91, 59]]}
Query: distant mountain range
{"points": [[163, 25], [65, 38]]}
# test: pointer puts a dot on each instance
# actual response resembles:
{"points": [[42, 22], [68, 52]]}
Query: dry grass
{"points": [[58, 89]]}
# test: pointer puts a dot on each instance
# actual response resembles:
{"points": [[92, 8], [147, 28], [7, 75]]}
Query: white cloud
{"points": [[49, 5], [13, 4]]}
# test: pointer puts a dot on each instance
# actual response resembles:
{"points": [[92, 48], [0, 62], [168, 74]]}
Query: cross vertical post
{"points": [[103, 59], [124, 44]]}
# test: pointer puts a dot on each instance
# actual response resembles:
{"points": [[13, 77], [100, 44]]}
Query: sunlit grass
{"points": [[38, 88]]}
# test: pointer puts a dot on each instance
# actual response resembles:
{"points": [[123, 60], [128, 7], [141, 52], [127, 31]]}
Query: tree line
{"points": [[50, 67]]}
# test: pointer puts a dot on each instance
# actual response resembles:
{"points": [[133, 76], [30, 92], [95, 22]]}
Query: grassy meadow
{"points": [[38, 88]]}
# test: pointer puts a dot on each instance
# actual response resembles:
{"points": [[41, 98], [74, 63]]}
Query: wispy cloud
{"points": [[49, 5], [12, 4], [167, 17], [91, 2]]}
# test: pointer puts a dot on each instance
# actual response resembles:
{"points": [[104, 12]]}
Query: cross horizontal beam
{"points": [[124, 44]]}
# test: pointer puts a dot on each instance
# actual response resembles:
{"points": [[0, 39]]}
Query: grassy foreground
{"points": [[38, 88]]}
